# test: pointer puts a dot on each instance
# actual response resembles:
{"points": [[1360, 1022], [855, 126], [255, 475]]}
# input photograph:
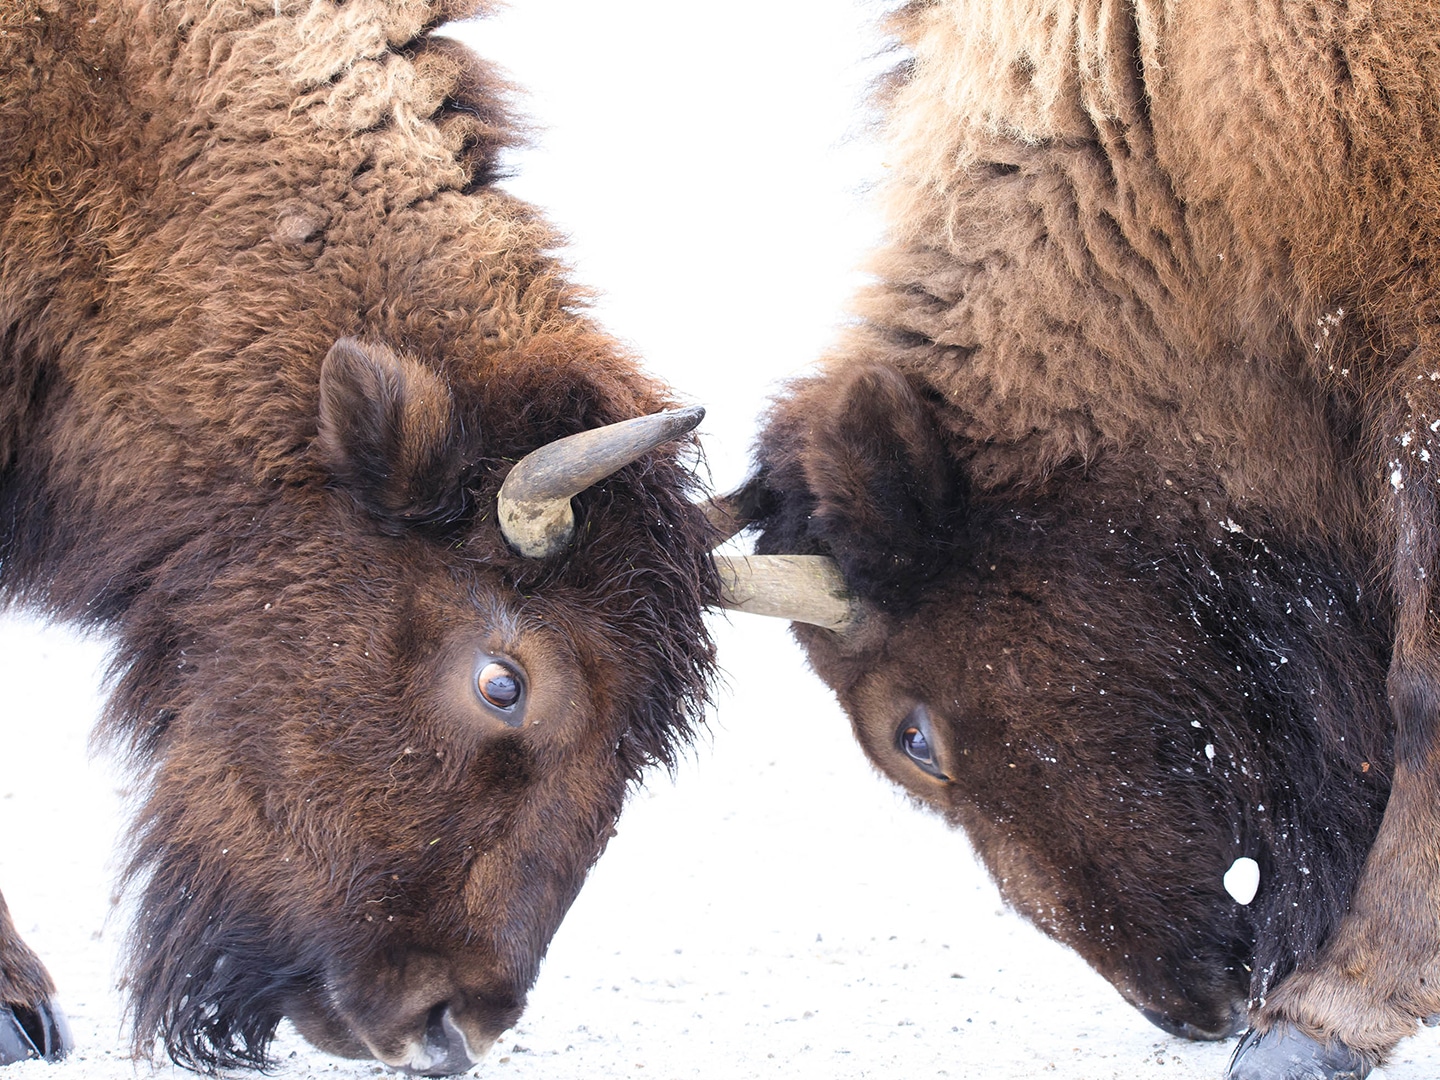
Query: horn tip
{"points": [[688, 418]]}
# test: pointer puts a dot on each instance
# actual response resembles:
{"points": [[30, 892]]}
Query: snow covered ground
{"points": [[777, 910]]}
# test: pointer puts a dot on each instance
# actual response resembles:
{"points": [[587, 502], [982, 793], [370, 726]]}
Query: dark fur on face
{"points": [[1128, 693], [270, 347]]}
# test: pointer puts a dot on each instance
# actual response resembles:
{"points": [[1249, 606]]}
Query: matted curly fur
{"points": [[270, 339], [1150, 377]]}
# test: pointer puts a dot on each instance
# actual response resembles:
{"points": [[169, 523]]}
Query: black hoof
{"points": [[29, 1034], [1285, 1054]]}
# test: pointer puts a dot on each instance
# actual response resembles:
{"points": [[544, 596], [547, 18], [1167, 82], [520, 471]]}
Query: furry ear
{"points": [[852, 464], [390, 435]]}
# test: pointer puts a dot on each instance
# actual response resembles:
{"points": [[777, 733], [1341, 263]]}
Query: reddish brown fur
{"points": [[1158, 305], [197, 202]]}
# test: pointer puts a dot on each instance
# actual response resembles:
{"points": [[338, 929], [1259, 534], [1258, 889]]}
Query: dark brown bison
{"points": [[1130, 469], [271, 340]]}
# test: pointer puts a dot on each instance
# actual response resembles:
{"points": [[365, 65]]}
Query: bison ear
{"points": [[389, 434], [853, 465]]}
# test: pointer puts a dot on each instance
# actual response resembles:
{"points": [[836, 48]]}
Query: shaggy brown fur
{"points": [[1137, 459], [200, 203]]}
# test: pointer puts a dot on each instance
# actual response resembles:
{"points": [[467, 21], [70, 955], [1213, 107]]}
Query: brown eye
{"points": [[499, 685], [917, 746], [916, 741]]}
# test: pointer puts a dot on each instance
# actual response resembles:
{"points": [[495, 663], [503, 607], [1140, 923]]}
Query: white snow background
{"points": [[777, 910]]}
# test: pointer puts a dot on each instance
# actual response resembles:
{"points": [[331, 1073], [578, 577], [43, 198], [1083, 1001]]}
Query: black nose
{"points": [[1198, 1030], [444, 1046]]}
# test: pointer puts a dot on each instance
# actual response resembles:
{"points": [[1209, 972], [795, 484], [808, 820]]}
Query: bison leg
{"points": [[31, 1024], [1380, 972]]}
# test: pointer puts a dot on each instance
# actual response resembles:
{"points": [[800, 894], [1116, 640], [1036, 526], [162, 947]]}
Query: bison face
{"points": [[1115, 695], [501, 797], [386, 747], [990, 703]]}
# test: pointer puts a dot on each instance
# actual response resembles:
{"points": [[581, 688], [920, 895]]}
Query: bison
{"points": [[396, 548], [1126, 476]]}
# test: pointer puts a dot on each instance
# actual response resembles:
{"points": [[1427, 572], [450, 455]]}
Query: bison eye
{"points": [[916, 741], [499, 684], [917, 746]]}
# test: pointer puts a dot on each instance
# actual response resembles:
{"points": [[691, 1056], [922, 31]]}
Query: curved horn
{"points": [[801, 588], [534, 501]]}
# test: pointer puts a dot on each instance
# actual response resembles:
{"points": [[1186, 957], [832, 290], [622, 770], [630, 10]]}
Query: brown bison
{"points": [[1130, 469], [295, 405]]}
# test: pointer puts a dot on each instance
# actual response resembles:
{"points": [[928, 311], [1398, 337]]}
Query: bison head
{"points": [[1113, 687], [393, 728]]}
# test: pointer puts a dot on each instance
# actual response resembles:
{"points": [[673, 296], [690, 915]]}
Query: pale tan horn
{"points": [[801, 588], [534, 501]]}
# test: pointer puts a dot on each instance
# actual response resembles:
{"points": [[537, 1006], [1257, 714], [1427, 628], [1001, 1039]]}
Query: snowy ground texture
{"points": [[777, 910]]}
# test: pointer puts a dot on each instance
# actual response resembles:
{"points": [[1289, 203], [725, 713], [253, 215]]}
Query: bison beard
{"points": [[1130, 465], [270, 343]]}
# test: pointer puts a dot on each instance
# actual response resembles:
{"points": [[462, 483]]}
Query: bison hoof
{"points": [[30, 1034], [1284, 1053]]}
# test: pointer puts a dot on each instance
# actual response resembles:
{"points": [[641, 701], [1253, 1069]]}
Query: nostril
{"points": [[445, 1051], [435, 1023]]}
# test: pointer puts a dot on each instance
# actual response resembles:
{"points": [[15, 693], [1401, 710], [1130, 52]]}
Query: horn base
{"points": [[537, 530], [534, 501]]}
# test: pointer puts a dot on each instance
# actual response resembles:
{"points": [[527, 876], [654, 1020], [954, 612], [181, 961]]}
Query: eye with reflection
{"points": [[500, 685], [916, 739]]}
